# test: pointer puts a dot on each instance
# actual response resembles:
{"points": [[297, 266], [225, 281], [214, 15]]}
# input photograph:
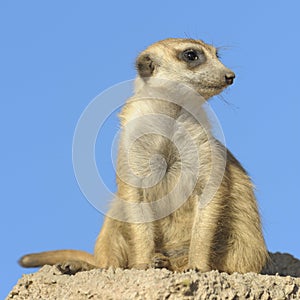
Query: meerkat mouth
{"points": [[213, 87], [209, 86]]}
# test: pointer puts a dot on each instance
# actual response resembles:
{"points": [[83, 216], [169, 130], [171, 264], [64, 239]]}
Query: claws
{"points": [[159, 261]]}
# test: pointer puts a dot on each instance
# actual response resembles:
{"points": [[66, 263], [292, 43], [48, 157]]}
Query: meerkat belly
{"points": [[173, 233]]}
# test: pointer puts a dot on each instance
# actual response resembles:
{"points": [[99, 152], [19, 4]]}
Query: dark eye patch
{"points": [[193, 57]]}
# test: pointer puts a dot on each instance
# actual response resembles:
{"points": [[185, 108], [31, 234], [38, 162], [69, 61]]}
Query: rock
{"points": [[284, 264], [49, 283]]}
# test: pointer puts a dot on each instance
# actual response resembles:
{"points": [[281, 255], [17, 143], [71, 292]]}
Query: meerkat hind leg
{"points": [[72, 267]]}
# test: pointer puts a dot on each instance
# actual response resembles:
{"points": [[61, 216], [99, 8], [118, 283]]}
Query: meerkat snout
{"points": [[229, 77]]}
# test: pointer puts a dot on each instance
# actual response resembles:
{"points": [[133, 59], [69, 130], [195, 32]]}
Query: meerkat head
{"points": [[190, 62]]}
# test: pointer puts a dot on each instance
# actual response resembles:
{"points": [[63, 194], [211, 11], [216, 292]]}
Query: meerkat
{"points": [[225, 233]]}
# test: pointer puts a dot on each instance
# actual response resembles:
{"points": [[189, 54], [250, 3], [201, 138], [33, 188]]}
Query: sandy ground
{"points": [[49, 283]]}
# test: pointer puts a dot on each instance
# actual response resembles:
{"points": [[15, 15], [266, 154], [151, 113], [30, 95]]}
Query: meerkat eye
{"points": [[193, 57], [190, 55]]}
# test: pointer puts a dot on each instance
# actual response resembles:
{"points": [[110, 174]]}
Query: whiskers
{"points": [[230, 104]]}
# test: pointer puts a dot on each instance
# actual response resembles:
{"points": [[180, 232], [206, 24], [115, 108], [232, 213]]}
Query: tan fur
{"points": [[226, 233]]}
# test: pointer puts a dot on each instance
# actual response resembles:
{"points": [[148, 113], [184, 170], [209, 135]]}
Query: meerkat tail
{"points": [[54, 257]]}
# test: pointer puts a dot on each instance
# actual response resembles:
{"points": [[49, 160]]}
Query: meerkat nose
{"points": [[229, 78]]}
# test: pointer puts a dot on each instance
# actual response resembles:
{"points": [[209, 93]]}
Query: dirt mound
{"points": [[49, 283]]}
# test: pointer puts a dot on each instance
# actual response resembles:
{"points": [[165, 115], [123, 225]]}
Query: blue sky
{"points": [[56, 56]]}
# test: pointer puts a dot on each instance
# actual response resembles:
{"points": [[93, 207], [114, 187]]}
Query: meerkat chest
{"points": [[157, 137]]}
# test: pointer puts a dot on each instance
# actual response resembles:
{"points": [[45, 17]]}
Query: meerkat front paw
{"points": [[160, 261]]}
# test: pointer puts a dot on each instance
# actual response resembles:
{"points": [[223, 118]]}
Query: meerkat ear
{"points": [[145, 65]]}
